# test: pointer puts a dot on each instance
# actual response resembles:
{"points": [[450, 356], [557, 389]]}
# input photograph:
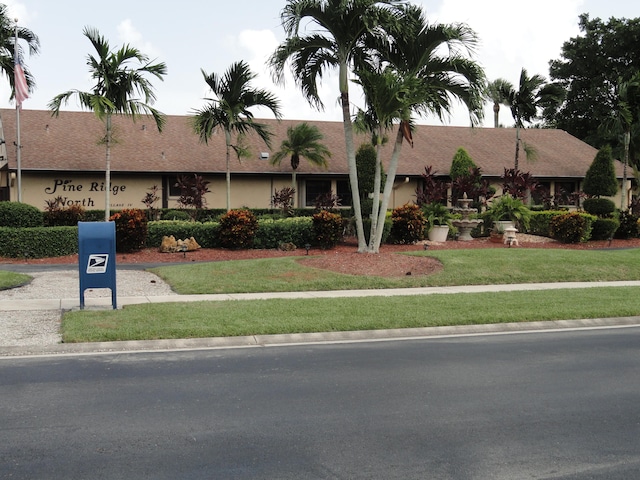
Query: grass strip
{"points": [[12, 279], [461, 267], [233, 318]]}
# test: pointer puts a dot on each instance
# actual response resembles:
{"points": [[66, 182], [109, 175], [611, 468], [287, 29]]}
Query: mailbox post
{"points": [[97, 257]]}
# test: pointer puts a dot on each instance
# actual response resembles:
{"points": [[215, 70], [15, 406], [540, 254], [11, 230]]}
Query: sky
{"points": [[211, 35]]}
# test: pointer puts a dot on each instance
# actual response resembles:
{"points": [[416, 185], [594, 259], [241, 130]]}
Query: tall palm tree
{"points": [[532, 95], [419, 76], [230, 111], [120, 78], [343, 27], [303, 140], [7, 48], [624, 116], [495, 94]]}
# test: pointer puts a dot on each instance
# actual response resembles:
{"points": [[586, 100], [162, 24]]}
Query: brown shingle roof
{"points": [[72, 142]]}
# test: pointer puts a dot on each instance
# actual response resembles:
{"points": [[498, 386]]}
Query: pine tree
{"points": [[600, 179]]}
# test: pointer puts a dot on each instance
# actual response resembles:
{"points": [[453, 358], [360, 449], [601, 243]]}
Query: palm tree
{"points": [[343, 29], [7, 48], [303, 140], [532, 95], [118, 84], [495, 94], [624, 116], [418, 76], [230, 111]]}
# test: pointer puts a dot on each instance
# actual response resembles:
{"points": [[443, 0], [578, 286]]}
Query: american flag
{"points": [[22, 90]]}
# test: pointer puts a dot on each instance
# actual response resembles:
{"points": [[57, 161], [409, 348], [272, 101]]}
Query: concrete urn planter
{"points": [[438, 233]]}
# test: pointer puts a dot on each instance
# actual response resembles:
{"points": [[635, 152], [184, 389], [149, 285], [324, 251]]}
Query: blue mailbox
{"points": [[97, 257]]}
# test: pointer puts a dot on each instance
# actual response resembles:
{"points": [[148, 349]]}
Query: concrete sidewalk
{"points": [[105, 302]]}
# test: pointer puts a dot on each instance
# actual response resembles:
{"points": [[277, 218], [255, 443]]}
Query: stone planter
{"points": [[438, 233], [502, 225]]}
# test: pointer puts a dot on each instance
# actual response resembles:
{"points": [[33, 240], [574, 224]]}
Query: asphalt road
{"points": [[563, 405]]}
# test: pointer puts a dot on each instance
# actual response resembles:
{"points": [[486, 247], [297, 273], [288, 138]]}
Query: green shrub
{"points": [[571, 227], [629, 227], [604, 228], [206, 234], [540, 220], [600, 207], [94, 216], [600, 178], [511, 209], [64, 217], [461, 164], [131, 229], [38, 242], [328, 228], [238, 229], [16, 214], [273, 232], [176, 215], [408, 224]]}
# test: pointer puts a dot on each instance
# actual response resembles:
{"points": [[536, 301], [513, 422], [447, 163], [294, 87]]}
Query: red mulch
{"points": [[343, 258]]}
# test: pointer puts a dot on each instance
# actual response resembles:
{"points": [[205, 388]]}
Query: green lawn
{"points": [[461, 267], [492, 266], [11, 279], [256, 317]]}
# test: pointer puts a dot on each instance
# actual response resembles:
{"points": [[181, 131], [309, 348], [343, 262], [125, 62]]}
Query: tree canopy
{"points": [[590, 66]]}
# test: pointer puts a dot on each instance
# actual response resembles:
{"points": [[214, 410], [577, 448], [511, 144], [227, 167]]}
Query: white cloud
{"points": [[129, 34], [513, 37], [257, 46]]}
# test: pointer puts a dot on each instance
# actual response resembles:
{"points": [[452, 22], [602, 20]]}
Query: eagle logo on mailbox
{"points": [[97, 263]]}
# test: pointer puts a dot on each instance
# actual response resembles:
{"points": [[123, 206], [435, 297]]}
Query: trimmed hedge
{"points": [[38, 242], [20, 215], [600, 207], [271, 232], [540, 222], [604, 228], [297, 230]]}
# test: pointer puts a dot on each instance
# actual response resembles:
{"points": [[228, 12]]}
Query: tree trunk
{"points": [[517, 147], [377, 179], [107, 172], [388, 188], [351, 156], [496, 115], [227, 136], [294, 182], [623, 196]]}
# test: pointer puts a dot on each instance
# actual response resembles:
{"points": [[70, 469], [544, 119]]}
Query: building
{"points": [[64, 157]]}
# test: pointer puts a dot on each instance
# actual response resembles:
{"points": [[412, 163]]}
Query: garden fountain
{"points": [[465, 224]]}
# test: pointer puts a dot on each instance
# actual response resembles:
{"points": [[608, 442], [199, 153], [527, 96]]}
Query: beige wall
{"points": [[251, 192], [128, 191], [85, 190]]}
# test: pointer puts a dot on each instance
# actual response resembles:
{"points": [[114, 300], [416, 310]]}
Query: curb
{"points": [[252, 341]]}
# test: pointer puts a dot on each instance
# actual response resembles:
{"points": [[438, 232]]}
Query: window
{"points": [[171, 186], [343, 190], [563, 192], [315, 188]]}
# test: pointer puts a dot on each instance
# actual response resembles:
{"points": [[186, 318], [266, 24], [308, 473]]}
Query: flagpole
{"points": [[18, 145]]}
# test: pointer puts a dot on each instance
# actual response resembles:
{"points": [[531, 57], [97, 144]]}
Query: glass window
{"points": [[315, 188], [343, 190], [563, 192], [173, 190]]}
